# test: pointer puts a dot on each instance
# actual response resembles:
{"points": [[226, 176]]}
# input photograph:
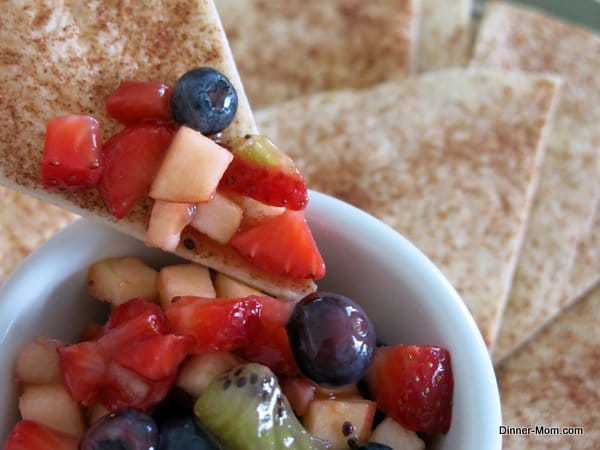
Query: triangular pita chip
{"points": [[449, 159], [66, 58], [515, 38], [285, 49], [553, 382], [444, 34]]}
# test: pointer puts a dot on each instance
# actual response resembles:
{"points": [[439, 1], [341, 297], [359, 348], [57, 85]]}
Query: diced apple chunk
{"points": [[229, 288], [191, 170], [117, 280], [167, 220], [184, 279], [37, 362], [391, 433], [255, 212], [218, 218], [51, 405], [339, 420], [198, 372], [347, 392]]}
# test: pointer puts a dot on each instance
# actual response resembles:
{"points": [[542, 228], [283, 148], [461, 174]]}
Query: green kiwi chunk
{"points": [[246, 410]]}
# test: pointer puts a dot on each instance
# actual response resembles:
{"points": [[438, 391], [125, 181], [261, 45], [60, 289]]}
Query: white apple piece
{"points": [[167, 220], [37, 362], [340, 420], [184, 279], [391, 433], [191, 170], [117, 280], [229, 288], [218, 218], [254, 211], [197, 372], [51, 405]]}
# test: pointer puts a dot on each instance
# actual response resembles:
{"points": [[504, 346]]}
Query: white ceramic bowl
{"points": [[404, 293]]}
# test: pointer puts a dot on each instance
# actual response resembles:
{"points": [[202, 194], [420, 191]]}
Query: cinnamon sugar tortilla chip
{"points": [[285, 49], [553, 382], [516, 38], [65, 57], [25, 223], [449, 159], [444, 34]]}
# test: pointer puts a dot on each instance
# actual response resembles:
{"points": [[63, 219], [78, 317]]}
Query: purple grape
{"points": [[332, 338], [125, 429]]}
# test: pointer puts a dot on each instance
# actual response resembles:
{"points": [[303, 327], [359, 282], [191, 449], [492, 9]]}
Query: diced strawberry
{"points": [[300, 391], [138, 307], [72, 158], [217, 324], [123, 388], [275, 310], [270, 346], [155, 357], [283, 245], [30, 435], [413, 385], [140, 101], [131, 160], [83, 369], [270, 185]]}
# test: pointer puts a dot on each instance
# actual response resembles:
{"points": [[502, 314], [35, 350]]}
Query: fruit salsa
{"points": [[246, 194], [190, 358]]}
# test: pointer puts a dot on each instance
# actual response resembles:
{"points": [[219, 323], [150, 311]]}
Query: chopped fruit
{"points": [[118, 280], [250, 397], [332, 338], [184, 432], [255, 212], [217, 324], [261, 171], [204, 99], [91, 332], [184, 280], [140, 101], [136, 334], [30, 435], [191, 169], [131, 161], [413, 385], [391, 433], [199, 371], [229, 288], [155, 357], [337, 421], [123, 429], [72, 153], [167, 220], [218, 218], [349, 391], [95, 412], [52, 406], [37, 362], [299, 391], [282, 245]]}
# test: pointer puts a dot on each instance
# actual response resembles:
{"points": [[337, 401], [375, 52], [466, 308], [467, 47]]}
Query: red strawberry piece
{"points": [[155, 357], [83, 370], [139, 101], [123, 388], [300, 391], [271, 185], [216, 324], [275, 310], [414, 385], [138, 307], [30, 435], [131, 161], [283, 245], [72, 158]]}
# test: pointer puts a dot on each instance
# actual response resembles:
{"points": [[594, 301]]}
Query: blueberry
{"points": [[372, 446], [125, 429], [205, 100], [184, 432], [332, 338]]}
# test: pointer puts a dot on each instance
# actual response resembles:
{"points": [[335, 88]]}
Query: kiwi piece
{"points": [[246, 410]]}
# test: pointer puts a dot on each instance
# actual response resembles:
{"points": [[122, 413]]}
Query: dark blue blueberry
{"points": [[205, 100], [125, 429], [184, 432], [332, 338], [372, 446]]}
